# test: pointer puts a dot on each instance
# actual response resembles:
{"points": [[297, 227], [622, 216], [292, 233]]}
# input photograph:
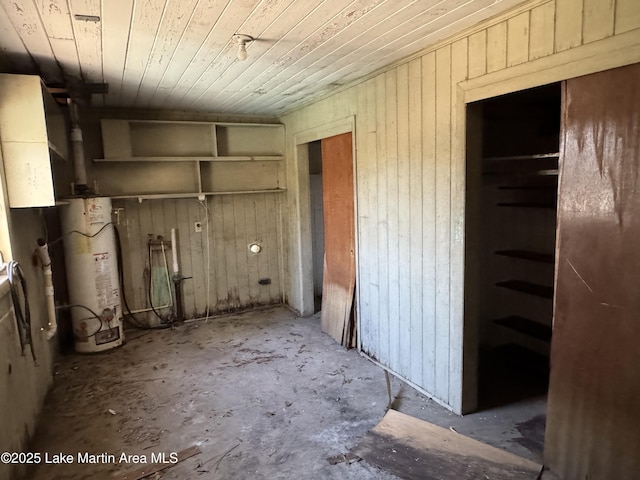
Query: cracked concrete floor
{"points": [[264, 394]]}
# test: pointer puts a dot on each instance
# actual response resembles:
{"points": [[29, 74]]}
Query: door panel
{"points": [[593, 425], [339, 236]]}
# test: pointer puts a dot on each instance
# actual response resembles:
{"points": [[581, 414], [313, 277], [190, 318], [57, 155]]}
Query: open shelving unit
{"points": [[149, 159], [523, 183], [518, 180]]}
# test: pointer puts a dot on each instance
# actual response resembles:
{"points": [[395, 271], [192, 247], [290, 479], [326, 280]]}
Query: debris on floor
{"points": [[263, 394]]}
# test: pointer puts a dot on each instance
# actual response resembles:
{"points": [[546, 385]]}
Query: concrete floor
{"points": [[265, 395]]}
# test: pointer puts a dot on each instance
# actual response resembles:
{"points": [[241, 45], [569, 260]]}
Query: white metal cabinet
{"points": [[32, 129]]}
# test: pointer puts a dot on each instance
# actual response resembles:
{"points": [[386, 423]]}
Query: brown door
{"points": [[593, 423], [339, 276]]}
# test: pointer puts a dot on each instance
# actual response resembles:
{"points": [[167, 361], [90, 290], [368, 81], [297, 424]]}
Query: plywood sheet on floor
{"points": [[414, 449]]}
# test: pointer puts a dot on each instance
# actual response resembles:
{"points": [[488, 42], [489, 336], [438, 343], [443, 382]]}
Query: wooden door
{"points": [[339, 276], [593, 423]]}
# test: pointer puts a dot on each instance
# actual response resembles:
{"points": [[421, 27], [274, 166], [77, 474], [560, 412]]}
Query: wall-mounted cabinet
{"points": [[33, 131], [145, 158]]}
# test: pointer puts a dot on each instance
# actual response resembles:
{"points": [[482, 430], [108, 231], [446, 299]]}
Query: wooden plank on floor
{"points": [[414, 449]]}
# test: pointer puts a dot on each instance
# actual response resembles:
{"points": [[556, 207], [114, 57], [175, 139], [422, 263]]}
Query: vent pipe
{"points": [[79, 165]]}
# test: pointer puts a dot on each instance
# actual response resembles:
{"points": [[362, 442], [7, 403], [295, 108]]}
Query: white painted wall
{"points": [[23, 384]]}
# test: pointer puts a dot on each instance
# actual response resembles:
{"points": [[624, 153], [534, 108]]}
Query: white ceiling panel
{"points": [[179, 54]]}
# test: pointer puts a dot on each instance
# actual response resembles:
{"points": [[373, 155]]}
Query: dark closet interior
{"points": [[515, 154]]}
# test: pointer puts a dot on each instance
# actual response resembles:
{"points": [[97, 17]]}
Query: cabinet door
{"points": [[594, 392]]}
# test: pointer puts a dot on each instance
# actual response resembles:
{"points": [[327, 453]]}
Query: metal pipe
{"points": [[174, 252], [177, 278], [45, 261], [79, 165]]}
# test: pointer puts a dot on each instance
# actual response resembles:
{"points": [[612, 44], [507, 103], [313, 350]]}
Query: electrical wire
{"points": [[22, 314], [81, 233]]}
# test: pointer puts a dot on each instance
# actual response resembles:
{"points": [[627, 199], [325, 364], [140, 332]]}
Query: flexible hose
{"points": [[23, 315]]}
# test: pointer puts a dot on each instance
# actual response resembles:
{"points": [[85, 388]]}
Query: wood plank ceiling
{"points": [[179, 54]]}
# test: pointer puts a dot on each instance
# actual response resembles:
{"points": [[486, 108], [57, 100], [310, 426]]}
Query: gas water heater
{"points": [[92, 274]]}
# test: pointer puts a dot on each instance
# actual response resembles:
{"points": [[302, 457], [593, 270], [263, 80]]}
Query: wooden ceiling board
{"points": [[145, 25], [172, 27], [329, 36], [287, 31], [192, 44], [16, 55], [371, 53], [116, 22], [297, 75], [216, 45], [348, 48], [27, 23], [179, 54], [265, 26], [429, 34]]}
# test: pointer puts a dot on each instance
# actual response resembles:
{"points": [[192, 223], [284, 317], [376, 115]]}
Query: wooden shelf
{"points": [[527, 205], [156, 196], [151, 159], [534, 289], [527, 255], [58, 152], [253, 158], [551, 172], [178, 159], [537, 156], [527, 327], [529, 187], [243, 192]]}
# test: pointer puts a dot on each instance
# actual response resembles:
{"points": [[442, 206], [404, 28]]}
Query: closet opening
{"points": [[512, 182]]}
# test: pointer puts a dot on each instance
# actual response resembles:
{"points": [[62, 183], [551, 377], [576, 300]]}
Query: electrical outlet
{"points": [[198, 227]]}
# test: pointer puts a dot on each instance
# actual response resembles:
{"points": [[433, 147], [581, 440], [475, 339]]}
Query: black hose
{"points": [[132, 318]]}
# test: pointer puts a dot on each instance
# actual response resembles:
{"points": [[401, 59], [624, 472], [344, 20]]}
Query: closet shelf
{"points": [[527, 255], [534, 289], [552, 188], [527, 205], [531, 173], [536, 156], [527, 327]]}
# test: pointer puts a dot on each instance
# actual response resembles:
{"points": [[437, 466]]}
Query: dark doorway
{"points": [[317, 220]]}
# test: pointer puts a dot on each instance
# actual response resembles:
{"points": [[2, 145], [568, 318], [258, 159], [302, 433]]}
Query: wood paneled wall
{"points": [[224, 272], [410, 175]]}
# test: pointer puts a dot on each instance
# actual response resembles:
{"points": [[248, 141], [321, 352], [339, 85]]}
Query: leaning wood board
{"points": [[339, 276], [414, 449]]}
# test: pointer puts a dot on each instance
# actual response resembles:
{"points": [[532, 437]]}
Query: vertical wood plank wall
{"points": [[410, 161], [235, 221]]}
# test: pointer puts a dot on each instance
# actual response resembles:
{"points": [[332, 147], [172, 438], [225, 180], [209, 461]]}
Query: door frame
{"points": [[305, 250]]}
